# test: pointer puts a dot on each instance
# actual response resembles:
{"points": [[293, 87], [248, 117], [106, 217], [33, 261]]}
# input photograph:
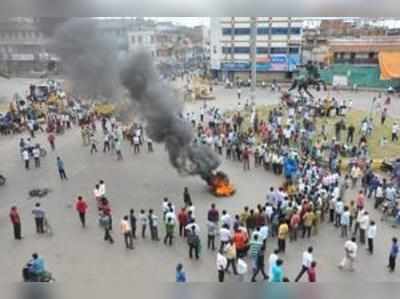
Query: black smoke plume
{"points": [[161, 110]]}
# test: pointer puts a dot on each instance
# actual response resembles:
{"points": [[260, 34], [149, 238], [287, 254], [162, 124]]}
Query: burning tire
{"points": [[220, 185]]}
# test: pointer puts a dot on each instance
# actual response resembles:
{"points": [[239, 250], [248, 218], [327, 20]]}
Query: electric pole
{"points": [[253, 56]]}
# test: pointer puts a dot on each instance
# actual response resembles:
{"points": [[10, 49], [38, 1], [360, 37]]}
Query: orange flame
{"points": [[221, 187]]}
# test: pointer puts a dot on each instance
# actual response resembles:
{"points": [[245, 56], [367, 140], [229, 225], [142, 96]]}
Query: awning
{"points": [[389, 64]]}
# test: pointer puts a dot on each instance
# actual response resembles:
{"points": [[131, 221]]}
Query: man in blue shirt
{"points": [[61, 169], [36, 267], [394, 252], [277, 271]]}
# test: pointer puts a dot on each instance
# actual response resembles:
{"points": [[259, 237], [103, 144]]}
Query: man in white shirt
{"points": [[25, 155], [226, 219], [350, 254], [221, 265], [364, 222], [338, 211], [102, 188], [224, 236], [306, 263], [36, 156], [371, 234], [272, 261]]}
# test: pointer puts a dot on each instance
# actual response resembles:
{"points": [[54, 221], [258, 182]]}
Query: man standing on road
{"points": [[133, 220], [350, 254], [25, 155], [39, 215], [394, 252], [81, 207], [371, 234], [61, 169], [16, 222], [126, 230], [36, 156], [307, 260], [51, 138], [105, 222]]}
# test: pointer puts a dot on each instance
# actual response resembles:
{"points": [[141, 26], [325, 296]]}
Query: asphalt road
{"points": [[77, 255]]}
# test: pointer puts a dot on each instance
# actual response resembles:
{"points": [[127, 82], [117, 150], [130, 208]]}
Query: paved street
{"points": [[77, 255]]}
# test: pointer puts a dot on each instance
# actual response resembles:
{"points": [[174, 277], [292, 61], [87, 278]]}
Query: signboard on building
{"points": [[269, 63], [339, 81]]}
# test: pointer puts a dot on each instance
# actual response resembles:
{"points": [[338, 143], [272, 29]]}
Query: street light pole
{"points": [[253, 55]]}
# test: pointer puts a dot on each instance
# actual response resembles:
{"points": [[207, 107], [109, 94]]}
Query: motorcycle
{"points": [[45, 277], [3, 180]]}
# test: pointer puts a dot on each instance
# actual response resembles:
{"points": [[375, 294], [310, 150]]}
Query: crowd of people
{"points": [[315, 190]]}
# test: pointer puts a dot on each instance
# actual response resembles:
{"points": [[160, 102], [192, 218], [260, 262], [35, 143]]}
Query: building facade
{"points": [[278, 47]]}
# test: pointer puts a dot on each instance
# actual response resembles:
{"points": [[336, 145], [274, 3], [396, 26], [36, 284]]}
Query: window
{"points": [[133, 39], [226, 50], [226, 31], [294, 50], [295, 30], [152, 39], [242, 50], [262, 50], [263, 30], [215, 49], [140, 39], [242, 31], [279, 30], [278, 50]]}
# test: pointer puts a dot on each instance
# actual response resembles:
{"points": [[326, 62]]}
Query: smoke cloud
{"points": [[90, 62], [89, 59], [161, 110]]}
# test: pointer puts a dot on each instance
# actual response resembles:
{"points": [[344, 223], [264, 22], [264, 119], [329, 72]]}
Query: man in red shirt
{"points": [[183, 221], [51, 138], [81, 206], [360, 200], [16, 222], [240, 241], [312, 274]]}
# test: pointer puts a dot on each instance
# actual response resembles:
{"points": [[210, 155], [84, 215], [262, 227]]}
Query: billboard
{"points": [[267, 63]]}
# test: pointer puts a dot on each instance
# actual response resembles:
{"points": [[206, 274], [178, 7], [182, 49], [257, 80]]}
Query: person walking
{"points": [[231, 256], [283, 232], [225, 236], [221, 265], [93, 144], [126, 230], [394, 252], [61, 169], [81, 207], [105, 222], [183, 221], [260, 265], [180, 275], [371, 234], [169, 230], [39, 215], [51, 138], [132, 219], [194, 243], [306, 264], [350, 254], [16, 222]]}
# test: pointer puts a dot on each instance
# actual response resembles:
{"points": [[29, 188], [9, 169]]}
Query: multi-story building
{"points": [[278, 47], [142, 40]]}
